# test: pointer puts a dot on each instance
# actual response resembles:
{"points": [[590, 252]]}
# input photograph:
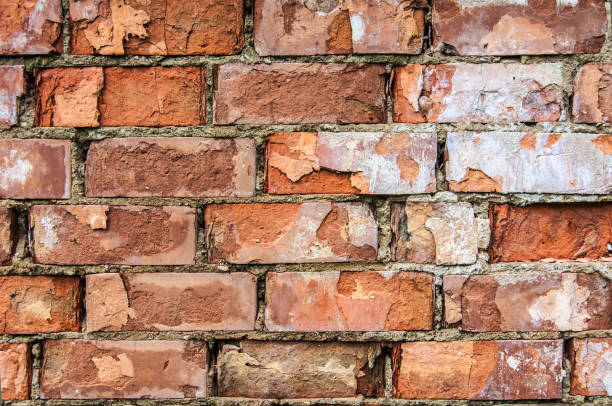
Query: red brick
{"points": [[519, 28], [157, 27], [485, 370], [15, 371], [40, 304], [11, 89], [130, 235], [30, 27], [287, 27], [434, 233], [118, 96], [8, 235], [293, 93], [550, 232], [183, 167], [493, 92], [591, 360], [290, 233], [87, 369], [349, 301], [171, 301], [364, 163], [272, 369], [592, 95], [546, 302], [35, 169]]}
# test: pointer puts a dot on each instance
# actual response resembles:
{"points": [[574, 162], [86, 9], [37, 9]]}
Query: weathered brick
{"points": [[35, 169], [487, 370], [8, 235], [591, 360], [593, 94], [349, 301], [171, 301], [30, 27], [548, 302], [11, 89], [478, 93], [87, 369], [130, 235], [40, 304], [508, 27], [364, 163], [120, 96], [529, 163], [550, 232], [184, 167], [293, 93], [259, 369], [15, 371], [288, 27], [157, 27], [428, 233], [290, 233]]}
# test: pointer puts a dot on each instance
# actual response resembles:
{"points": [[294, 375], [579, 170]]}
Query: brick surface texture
{"points": [[305, 202]]}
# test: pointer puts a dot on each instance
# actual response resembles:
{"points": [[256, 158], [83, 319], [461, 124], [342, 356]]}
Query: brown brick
{"points": [[293, 93], [130, 235], [30, 27], [287, 27], [171, 301], [118, 96], [502, 302], [488, 93], [519, 28], [363, 163], [591, 360], [35, 169], [349, 301], [290, 233], [8, 235], [183, 167], [550, 232], [260, 369], [486, 370], [12, 88], [87, 369], [593, 95], [15, 371], [40, 304], [157, 27]]}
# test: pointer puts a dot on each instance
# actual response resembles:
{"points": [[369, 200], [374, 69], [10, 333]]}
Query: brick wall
{"points": [[324, 202]]}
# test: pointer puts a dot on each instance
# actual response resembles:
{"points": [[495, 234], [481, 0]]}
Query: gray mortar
{"points": [[81, 138]]}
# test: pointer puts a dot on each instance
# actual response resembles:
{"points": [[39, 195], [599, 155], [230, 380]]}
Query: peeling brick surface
{"points": [[349, 301], [8, 235], [591, 360], [157, 27], [361, 163], [509, 27], [89, 369], [593, 94], [479, 370], [185, 167], [171, 301], [30, 27], [288, 27], [300, 369], [15, 371], [11, 89]]}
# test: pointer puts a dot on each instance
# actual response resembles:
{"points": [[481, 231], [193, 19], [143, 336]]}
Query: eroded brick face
{"points": [[8, 235], [130, 235], [15, 371], [30, 27], [11, 89], [184, 167], [157, 27], [479, 370], [89, 369], [349, 301], [591, 360], [593, 94], [360, 163], [171, 301], [506, 27], [257, 369], [290, 232], [288, 27]]}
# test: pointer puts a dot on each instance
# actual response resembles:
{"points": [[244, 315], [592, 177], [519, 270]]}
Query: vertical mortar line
{"points": [[36, 368], [260, 164], [388, 371], [201, 255], [260, 324], [78, 148], [438, 303], [66, 51], [209, 89]]}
